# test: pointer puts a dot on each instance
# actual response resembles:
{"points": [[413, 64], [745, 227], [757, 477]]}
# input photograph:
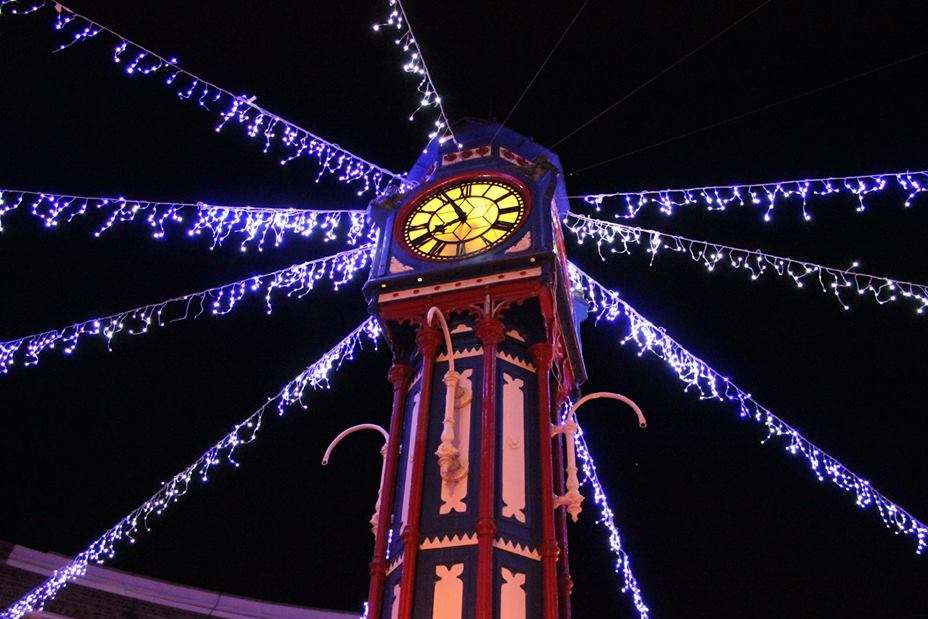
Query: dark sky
{"points": [[717, 525]]}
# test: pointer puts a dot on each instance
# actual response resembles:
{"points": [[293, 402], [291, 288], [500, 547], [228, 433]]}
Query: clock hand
{"points": [[457, 208]]}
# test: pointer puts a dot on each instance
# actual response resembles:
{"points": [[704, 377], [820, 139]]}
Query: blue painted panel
{"points": [[533, 585], [426, 578], [528, 532]]}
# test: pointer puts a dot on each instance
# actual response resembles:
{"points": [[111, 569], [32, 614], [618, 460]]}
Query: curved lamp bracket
{"points": [[572, 499], [352, 430], [449, 456], [383, 455]]}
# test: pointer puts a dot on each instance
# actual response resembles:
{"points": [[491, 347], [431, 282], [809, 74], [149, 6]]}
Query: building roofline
{"points": [[163, 593]]}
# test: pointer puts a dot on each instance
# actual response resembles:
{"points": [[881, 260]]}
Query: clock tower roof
{"points": [[475, 134]]}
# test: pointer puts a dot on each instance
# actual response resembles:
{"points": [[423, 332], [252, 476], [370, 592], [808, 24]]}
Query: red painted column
{"points": [[564, 581], [399, 376], [542, 354], [427, 339], [491, 332]]}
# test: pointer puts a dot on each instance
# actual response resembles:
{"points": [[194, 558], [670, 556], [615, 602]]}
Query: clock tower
{"points": [[470, 283]]}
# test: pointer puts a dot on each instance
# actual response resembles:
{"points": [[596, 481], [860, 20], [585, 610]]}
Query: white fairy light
{"points": [[292, 140], [137, 522], [766, 196], [696, 374], [607, 520], [252, 224], [415, 64], [833, 280], [297, 281]]}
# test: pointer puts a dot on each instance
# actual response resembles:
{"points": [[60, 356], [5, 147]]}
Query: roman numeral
{"points": [[509, 209], [502, 225], [466, 191], [419, 241], [436, 249], [418, 227]]}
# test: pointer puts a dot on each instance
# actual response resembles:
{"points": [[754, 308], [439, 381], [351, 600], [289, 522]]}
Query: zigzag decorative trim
{"points": [[516, 549], [525, 365], [448, 542], [462, 354], [398, 561]]}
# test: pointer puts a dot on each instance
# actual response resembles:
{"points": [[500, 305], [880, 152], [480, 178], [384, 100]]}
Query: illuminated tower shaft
{"points": [[468, 523]]}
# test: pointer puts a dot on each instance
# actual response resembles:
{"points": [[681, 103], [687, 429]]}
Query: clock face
{"points": [[464, 219]]}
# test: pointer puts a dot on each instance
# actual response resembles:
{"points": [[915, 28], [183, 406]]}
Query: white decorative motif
{"points": [[448, 600], [398, 267], [515, 335], [512, 596], [395, 608], [455, 541], [513, 448], [461, 328], [454, 491], [517, 549], [524, 243]]}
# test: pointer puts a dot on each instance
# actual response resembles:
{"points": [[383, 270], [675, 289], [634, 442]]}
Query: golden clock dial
{"points": [[464, 219]]}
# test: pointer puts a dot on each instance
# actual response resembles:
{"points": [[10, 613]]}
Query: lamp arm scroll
{"points": [[449, 457], [383, 455], [572, 499]]}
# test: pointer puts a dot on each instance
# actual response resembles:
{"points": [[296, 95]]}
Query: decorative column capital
{"points": [[542, 354], [398, 374], [490, 331], [427, 339]]}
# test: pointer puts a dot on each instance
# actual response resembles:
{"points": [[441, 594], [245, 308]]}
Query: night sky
{"points": [[717, 525]]}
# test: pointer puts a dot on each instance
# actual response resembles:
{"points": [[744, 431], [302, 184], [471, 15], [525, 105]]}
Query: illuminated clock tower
{"points": [[470, 284]]}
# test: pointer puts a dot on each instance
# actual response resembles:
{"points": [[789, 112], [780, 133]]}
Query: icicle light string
{"points": [[697, 375], [292, 141], [138, 522], [415, 63], [252, 224], [607, 520], [832, 280], [764, 196], [297, 281]]}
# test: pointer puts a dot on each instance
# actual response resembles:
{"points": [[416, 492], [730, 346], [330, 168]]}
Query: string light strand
{"points": [[297, 281], [252, 224], [138, 521], [291, 140], [838, 282], [697, 375], [415, 64], [607, 520], [764, 196]]}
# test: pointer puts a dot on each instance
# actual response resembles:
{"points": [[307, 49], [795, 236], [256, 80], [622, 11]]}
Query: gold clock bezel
{"points": [[515, 186]]}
